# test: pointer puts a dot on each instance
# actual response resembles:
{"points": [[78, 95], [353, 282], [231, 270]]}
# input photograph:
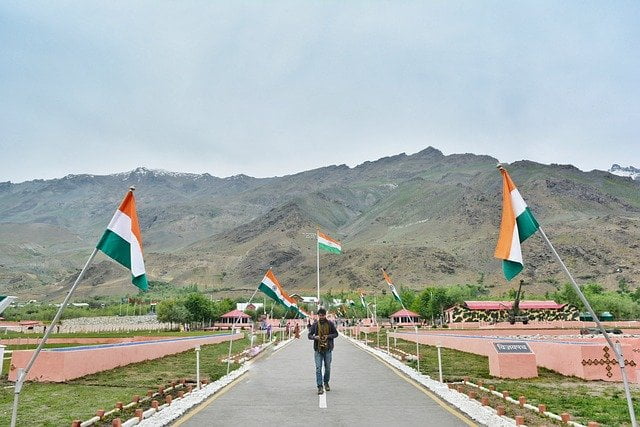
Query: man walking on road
{"points": [[323, 332]]}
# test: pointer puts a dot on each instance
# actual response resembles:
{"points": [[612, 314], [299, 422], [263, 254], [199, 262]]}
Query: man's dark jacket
{"points": [[333, 333]]}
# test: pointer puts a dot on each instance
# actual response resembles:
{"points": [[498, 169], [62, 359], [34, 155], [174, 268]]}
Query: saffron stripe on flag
{"points": [[122, 242], [517, 224]]}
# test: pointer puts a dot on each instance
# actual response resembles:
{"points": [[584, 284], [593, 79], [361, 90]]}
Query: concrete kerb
{"points": [[474, 409]]}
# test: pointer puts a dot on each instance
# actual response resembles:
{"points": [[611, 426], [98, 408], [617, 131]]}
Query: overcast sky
{"points": [[270, 88]]}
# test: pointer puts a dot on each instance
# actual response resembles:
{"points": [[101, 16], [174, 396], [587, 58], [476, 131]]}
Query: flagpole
{"points": [[375, 306], [318, 265], [233, 327], [617, 350], [23, 373], [254, 294], [393, 289]]}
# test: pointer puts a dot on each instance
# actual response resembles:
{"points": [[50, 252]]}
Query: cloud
{"points": [[269, 89]]}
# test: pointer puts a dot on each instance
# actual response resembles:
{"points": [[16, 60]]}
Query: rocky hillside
{"points": [[427, 218]]}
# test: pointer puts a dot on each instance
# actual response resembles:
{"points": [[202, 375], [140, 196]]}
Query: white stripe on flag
{"points": [[121, 225], [517, 202], [515, 253], [137, 262]]}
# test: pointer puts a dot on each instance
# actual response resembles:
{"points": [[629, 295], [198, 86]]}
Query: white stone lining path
{"points": [[169, 413]]}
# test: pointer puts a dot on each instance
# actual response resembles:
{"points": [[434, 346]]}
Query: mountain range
{"points": [[630, 171], [427, 218]]}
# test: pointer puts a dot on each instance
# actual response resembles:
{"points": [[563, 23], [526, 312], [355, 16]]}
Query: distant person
{"points": [[323, 332], [296, 330]]}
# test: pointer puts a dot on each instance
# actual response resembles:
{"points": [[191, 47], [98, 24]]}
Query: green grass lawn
{"points": [[599, 401], [50, 404]]}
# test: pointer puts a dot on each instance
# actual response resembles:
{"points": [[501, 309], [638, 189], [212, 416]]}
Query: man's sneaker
{"points": [[320, 390], [326, 387]]}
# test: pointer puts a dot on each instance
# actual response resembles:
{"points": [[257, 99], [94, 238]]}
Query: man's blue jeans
{"points": [[320, 357]]}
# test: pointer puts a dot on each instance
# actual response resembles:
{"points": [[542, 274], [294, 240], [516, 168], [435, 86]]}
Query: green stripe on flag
{"points": [[116, 247], [271, 294], [140, 282], [527, 224], [329, 248], [119, 249], [511, 268]]}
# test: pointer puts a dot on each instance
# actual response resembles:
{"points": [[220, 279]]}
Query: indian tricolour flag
{"points": [[393, 288], [328, 244], [122, 242], [517, 225], [302, 313], [272, 288]]}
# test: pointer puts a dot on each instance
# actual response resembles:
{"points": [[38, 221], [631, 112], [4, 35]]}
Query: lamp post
{"points": [[440, 361], [417, 349], [198, 367]]}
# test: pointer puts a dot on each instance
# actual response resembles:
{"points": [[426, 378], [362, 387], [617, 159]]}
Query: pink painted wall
{"points": [[567, 359], [515, 331], [560, 324], [564, 357], [517, 365], [58, 366], [23, 341]]}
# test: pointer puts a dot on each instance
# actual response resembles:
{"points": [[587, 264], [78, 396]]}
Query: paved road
{"points": [[280, 390]]}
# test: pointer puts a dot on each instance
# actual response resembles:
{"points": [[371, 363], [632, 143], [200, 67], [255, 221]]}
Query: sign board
{"points": [[512, 347]]}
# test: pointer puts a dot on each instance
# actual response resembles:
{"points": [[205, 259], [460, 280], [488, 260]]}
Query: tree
{"points": [[592, 288], [387, 305], [623, 286], [439, 302], [199, 307], [567, 295], [407, 296], [219, 308], [172, 311], [421, 303]]}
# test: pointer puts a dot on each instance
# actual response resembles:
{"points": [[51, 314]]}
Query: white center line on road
{"points": [[323, 401]]}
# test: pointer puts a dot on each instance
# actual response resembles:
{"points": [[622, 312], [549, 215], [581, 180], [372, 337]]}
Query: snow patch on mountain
{"points": [[630, 171]]}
